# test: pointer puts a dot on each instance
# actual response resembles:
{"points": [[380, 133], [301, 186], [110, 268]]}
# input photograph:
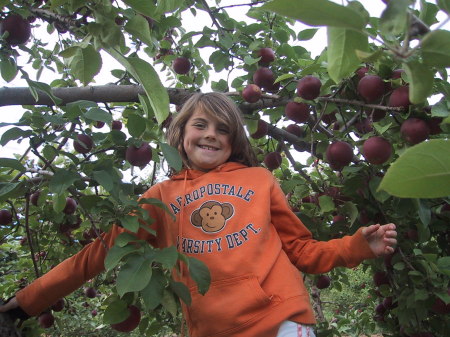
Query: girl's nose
{"points": [[211, 132]]}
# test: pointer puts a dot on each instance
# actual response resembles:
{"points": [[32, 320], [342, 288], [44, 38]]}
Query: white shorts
{"points": [[292, 329]]}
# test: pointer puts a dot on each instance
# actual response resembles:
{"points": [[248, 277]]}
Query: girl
{"points": [[233, 216]]}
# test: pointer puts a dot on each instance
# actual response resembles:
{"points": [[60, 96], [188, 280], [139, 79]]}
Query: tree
{"points": [[405, 47]]}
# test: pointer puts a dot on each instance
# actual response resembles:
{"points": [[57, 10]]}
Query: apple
{"points": [[264, 77], [376, 114], [18, 28], [272, 160], [131, 322], [361, 72], [295, 130], [34, 198], [116, 125], [267, 56], [261, 130], [58, 305], [139, 156], [46, 320], [297, 112], [323, 281], [380, 309], [364, 126], [388, 302], [377, 150], [251, 93], [414, 130], [397, 73], [5, 217], [99, 124], [400, 97], [94, 313], [371, 88], [434, 124], [90, 292], [83, 143], [380, 278], [308, 87], [339, 154], [71, 206], [181, 65], [338, 218]]}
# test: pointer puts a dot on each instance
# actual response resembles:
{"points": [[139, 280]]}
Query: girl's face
{"points": [[206, 141]]}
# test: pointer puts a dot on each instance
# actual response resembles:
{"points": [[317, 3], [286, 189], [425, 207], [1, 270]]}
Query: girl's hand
{"points": [[12, 304], [381, 238]]}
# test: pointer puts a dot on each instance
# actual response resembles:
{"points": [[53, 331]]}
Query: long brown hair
{"points": [[224, 109]]}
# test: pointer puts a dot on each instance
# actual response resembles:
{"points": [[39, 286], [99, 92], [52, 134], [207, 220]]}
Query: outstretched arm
{"points": [[12, 304], [381, 238]]}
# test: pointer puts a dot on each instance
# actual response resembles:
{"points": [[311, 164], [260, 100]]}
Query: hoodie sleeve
{"points": [[73, 272], [309, 255]]}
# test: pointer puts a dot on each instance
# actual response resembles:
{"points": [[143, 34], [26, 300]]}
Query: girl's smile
{"points": [[206, 141]]}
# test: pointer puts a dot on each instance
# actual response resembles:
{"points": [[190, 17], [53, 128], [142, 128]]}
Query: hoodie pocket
{"points": [[228, 304]]}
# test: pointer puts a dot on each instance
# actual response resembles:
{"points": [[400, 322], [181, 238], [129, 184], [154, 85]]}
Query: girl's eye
{"points": [[199, 125], [224, 130]]}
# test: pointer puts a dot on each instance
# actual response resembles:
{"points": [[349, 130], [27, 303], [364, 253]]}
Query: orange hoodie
{"points": [[235, 219]]}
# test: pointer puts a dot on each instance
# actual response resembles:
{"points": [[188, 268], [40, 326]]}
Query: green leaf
{"points": [[144, 73], [435, 48], [8, 190], [136, 125], [394, 18], [168, 6], [152, 294], [138, 27], [116, 254], [182, 291], [326, 203], [341, 54], [115, 312], [158, 203], [172, 156], [14, 133], [12, 163], [61, 180], [423, 171], [39, 86], [134, 275], [200, 274], [8, 68], [169, 303], [443, 263], [85, 64], [423, 211], [104, 178], [124, 238], [307, 34], [167, 257], [59, 202], [421, 79], [444, 5], [130, 222], [97, 114], [144, 7], [318, 13]]}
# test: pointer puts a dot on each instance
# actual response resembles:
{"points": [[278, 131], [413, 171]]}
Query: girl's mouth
{"points": [[210, 148]]}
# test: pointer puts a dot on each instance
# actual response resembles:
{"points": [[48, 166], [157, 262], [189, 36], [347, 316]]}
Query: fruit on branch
{"points": [[323, 281], [400, 97], [99, 124], [273, 160], [371, 88], [308, 87], [338, 218], [361, 72], [139, 156], [46, 320], [90, 292], [34, 197], [412, 235], [377, 150], [264, 78], [364, 126], [297, 112], [94, 313], [267, 56], [414, 130], [251, 93], [71, 206], [295, 130], [261, 130], [339, 154], [397, 73], [83, 143], [18, 28], [131, 322], [434, 123], [5, 217], [376, 114], [58, 305], [380, 278], [439, 306], [116, 125], [181, 65], [380, 309]]}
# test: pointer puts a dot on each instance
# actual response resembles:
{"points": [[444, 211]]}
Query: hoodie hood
{"points": [[189, 174]]}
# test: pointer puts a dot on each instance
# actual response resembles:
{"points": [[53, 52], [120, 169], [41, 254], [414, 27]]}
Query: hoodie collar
{"points": [[190, 174]]}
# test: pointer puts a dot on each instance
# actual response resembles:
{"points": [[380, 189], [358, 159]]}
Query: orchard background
{"points": [[369, 115]]}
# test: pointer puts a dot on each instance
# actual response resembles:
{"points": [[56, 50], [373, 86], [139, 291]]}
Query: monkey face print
{"points": [[212, 216]]}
